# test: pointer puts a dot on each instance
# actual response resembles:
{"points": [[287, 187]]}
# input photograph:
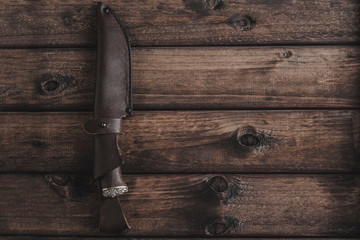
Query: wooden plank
{"points": [[188, 78], [187, 205], [189, 141], [187, 22], [161, 238]]}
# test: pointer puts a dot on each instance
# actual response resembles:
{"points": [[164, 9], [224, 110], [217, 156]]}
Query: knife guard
{"points": [[112, 104]]}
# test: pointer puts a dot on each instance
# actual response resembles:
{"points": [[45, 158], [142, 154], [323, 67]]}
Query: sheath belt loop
{"points": [[103, 126]]}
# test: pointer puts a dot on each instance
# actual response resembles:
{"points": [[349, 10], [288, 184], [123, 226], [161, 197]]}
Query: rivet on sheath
{"points": [[103, 125], [129, 110], [106, 10]]}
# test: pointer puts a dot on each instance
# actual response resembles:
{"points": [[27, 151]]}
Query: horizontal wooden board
{"points": [[188, 78], [146, 238], [187, 205], [189, 141], [186, 22]]}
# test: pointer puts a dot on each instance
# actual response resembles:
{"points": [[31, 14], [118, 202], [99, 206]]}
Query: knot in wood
{"points": [[39, 144], [58, 180], [287, 54], [249, 140], [216, 229], [203, 6], [218, 183], [69, 19], [70, 186], [243, 23], [50, 85], [54, 84]]}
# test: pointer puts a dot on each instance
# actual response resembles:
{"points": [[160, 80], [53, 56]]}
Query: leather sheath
{"points": [[112, 104]]}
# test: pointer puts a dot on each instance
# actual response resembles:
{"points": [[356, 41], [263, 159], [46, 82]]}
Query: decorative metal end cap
{"points": [[114, 191]]}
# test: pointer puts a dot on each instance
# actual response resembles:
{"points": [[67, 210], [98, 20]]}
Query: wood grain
{"points": [[161, 238], [188, 78], [189, 141], [187, 205], [187, 22]]}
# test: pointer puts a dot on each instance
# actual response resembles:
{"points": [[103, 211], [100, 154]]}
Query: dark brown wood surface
{"points": [[189, 141], [187, 205], [188, 78], [161, 238], [187, 22], [269, 148]]}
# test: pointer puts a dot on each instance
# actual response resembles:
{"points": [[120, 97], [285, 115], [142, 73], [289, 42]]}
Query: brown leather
{"points": [[112, 103], [103, 125], [113, 85], [113, 179]]}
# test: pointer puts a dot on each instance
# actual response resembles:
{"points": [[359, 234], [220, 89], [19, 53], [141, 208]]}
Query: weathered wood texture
{"points": [[188, 78], [187, 205], [187, 22], [189, 141], [162, 238]]}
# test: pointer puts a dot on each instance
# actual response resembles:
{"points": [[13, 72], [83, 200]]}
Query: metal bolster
{"points": [[103, 126]]}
